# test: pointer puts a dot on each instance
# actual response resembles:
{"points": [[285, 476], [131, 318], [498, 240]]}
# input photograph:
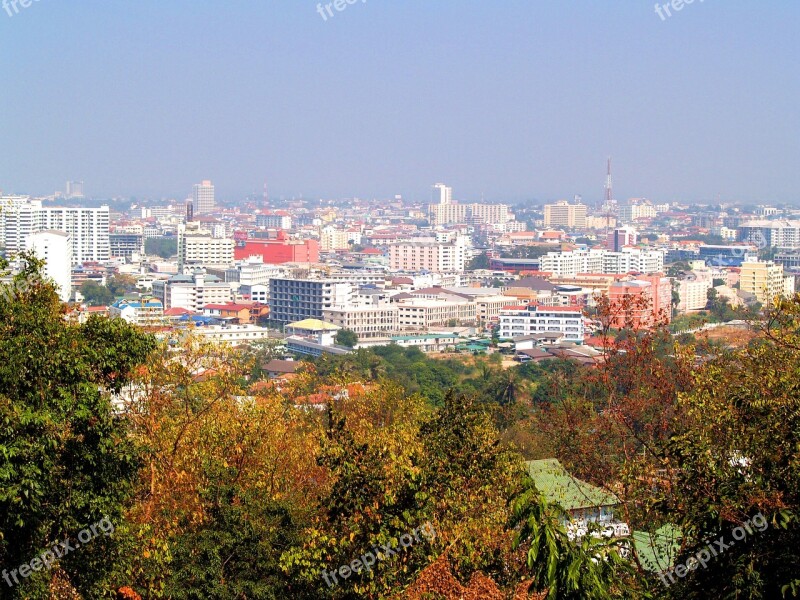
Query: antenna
{"points": [[609, 201]]}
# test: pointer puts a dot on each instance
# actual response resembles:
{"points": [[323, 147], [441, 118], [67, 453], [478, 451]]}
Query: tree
{"points": [[481, 261], [68, 460], [346, 338], [165, 247], [96, 294]]}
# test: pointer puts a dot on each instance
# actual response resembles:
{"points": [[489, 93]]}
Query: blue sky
{"points": [[507, 99]]}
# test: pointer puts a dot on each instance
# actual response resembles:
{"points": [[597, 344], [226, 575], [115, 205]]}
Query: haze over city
{"points": [[513, 101]]}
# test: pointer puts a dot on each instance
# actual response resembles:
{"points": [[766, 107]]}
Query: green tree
{"points": [[165, 247], [346, 338], [96, 294], [481, 261], [67, 460]]}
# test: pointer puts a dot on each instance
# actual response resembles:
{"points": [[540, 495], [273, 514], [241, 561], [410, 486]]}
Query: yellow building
{"points": [[765, 280], [564, 214]]}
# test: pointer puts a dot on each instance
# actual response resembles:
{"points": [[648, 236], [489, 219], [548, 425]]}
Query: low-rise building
{"points": [[366, 322], [520, 321], [147, 312]]}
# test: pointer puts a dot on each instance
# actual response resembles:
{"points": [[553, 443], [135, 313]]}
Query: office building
{"points": [[297, 299], [620, 238], [199, 247], [564, 214]]}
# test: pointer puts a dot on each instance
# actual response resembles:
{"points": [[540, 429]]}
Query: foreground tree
{"points": [[66, 461]]}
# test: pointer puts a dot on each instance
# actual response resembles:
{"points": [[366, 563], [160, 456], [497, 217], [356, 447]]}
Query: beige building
{"points": [[367, 322], [197, 246], [433, 257], [421, 314], [765, 280], [331, 239], [564, 214]]}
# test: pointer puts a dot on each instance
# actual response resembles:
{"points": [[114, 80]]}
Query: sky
{"points": [[503, 100]]}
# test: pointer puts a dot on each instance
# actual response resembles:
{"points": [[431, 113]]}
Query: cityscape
{"points": [[521, 338]]}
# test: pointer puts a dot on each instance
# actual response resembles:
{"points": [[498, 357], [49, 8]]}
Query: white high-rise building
{"points": [[88, 228], [203, 197], [442, 194], [55, 249]]}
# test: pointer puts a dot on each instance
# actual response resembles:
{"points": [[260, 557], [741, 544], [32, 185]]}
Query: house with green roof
{"points": [[583, 502]]}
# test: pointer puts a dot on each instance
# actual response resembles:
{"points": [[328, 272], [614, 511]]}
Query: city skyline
{"points": [[386, 99]]}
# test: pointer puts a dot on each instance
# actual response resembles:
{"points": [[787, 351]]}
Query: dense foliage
{"points": [[357, 474]]}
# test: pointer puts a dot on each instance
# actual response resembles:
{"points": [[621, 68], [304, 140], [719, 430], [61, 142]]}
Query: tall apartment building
{"points": [[529, 320], [293, 300], [564, 214], [765, 280], [442, 194], [437, 258], [203, 199], [55, 248], [199, 247], [88, 228]]}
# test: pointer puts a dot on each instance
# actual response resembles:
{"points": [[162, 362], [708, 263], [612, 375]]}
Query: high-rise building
{"points": [[442, 194], [88, 228], [564, 214], [621, 237], [55, 249], [74, 189], [765, 280], [203, 197]]}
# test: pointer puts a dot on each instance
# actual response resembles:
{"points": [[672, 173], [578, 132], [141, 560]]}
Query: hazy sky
{"points": [[510, 99]]}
